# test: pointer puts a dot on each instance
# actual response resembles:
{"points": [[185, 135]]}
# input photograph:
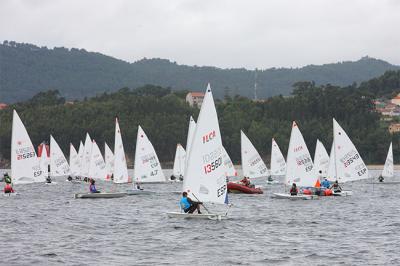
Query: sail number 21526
{"points": [[208, 168]]}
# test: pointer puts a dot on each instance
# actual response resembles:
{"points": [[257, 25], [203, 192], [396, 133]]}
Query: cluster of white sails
{"points": [[88, 161]]}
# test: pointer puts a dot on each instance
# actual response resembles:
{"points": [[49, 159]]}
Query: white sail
{"points": [[388, 170], [229, 167], [25, 166], [321, 160], [252, 163], [58, 163], [109, 159], [349, 164], [179, 161], [191, 129], [120, 166], [87, 151], [44, 160], [299, 163], [331, 173], [74, 161], [278, 164], [81, 153], [97, 167], [147, 166], [205, 178]]}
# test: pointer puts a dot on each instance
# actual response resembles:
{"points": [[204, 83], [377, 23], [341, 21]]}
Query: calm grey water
{"points": [[45, 225]]}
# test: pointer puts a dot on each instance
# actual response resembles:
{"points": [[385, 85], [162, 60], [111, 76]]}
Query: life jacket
{"points": [[8, 189], [184, 203]]}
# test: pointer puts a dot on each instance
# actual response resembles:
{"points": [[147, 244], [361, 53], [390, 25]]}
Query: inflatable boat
{"points": [[239, 188]]}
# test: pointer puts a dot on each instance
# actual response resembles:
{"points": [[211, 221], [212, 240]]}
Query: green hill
{"points": [[27, 69]]}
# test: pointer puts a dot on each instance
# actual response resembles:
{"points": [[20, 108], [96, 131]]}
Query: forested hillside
{"points": [[164, 116], [26, 69]]}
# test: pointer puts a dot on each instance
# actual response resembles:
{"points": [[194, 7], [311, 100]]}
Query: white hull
{"points": [[99, 195], [343, 193], [297, 197], [52, 183], [209, 216], [139, 192], [273, 182]]}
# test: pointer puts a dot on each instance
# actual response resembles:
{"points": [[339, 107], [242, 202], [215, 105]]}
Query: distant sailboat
{"points": [[189, 139], [388, 170], [74, 161], [179, 163], [205, 178], [278, 164], [321, 160], [252, 163], [230, 170], [109, 159], [120, 166], [25, 166], [147, 168], [87, 151], [97, 167], [58, 163]]}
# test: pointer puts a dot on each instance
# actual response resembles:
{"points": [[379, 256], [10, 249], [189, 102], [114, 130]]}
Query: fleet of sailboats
{"points": [[203, 167]]}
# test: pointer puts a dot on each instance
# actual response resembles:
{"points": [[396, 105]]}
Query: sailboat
{"points": [[191, 129], [347, 161], [87, 151], [230, 170], [179, 163], [252, 163], [147, 168], [58, 163], [109, 159], [278, 164], [388, 169], [120, 169], [74, 161], [300, 168], [205, 179], [97, 167], [25, 166], [44, 163], [321, 160]]}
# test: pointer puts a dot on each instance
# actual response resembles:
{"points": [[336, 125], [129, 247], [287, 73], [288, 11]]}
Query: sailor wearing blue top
{"points": [[188, 205]]}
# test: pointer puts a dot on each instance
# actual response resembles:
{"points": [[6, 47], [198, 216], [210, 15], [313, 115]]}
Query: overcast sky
{"points": [[223, 33]]}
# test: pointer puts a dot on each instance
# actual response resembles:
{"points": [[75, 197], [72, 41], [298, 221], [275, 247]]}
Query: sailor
{"points": [[270, 179], [293, 190], [380, 179], [246, 182], [48, 178], [326, 183], [336, 188], [188, 205], [69, 178], [172, 177], [92, 186], [7, 178]]}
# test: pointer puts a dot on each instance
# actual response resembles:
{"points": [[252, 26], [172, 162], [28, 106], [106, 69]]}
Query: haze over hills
{"points": [[27, 69]]}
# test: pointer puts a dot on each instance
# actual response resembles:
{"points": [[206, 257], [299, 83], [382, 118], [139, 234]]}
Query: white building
{"points": [[195, 98]]}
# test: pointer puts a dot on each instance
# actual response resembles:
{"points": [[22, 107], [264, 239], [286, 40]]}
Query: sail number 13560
{"points": [[208, 168]]}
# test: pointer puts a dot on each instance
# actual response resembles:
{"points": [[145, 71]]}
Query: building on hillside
{"points": [[3, 106], [394, 128], [195, 98], [396, 100]]}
